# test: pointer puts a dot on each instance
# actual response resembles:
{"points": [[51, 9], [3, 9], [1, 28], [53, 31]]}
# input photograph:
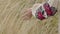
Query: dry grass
{"points": [[11, 22]]}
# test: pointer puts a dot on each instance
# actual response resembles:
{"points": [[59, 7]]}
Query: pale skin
{"points": [[27, 15]]}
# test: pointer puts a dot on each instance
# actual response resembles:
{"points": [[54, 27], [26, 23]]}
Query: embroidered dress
{"points": [[42, 11]]}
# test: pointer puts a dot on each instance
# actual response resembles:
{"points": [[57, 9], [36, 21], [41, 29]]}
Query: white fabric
{"points": [[45, 14], [51, 2], [35, 7]]}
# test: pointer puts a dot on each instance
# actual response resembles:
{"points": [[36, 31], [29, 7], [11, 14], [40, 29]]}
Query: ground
{"points": [[11, 21]]}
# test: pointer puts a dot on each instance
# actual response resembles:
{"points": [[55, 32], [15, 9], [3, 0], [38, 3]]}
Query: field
{"points": [[11, 21]]}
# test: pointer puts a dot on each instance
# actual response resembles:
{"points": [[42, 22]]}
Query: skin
{"points": [[27, 15]]}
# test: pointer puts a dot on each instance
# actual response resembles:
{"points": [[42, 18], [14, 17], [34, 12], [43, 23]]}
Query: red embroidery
{"points": [[47, 9], [40, 16]]}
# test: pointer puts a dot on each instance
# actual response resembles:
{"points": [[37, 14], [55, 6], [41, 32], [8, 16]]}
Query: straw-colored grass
{"points": [[11, 21]]}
